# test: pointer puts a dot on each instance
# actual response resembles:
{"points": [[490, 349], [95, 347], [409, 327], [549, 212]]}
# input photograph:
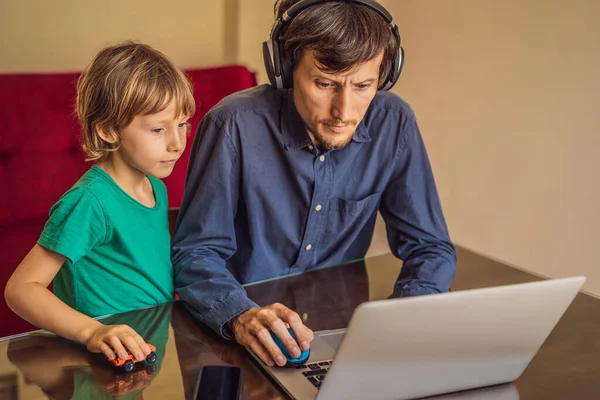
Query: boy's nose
{"points": [[177, 143]]}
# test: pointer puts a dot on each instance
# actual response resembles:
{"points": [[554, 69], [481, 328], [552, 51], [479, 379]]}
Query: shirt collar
{"points": [[294, 132], [293, 129]]}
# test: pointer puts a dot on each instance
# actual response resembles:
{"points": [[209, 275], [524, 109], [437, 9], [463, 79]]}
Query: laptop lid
{"points": [[427, 345]]}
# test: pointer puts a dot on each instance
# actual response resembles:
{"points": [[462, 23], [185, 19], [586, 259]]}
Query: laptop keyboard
{"points": [[315, 372]]}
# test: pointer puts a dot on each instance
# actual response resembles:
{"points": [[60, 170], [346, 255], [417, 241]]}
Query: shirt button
{"points": [[310, 147], [318, 207], [322, 158], [309, 247]]}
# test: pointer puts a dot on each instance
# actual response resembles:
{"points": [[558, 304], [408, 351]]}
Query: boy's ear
{"points": [[109, 136]]}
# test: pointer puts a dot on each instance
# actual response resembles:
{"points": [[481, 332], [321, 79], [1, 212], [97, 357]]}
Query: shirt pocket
{"points": [[347, 228], [355, 207]]}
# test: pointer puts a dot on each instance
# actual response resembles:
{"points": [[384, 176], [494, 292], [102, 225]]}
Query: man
{"points": [[282, 181]]}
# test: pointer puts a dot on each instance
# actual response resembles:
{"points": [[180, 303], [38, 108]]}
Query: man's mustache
{"points": [[338, 122]]}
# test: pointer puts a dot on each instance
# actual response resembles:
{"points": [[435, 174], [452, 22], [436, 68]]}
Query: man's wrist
{"points": [[228, 328], [231, 324]]}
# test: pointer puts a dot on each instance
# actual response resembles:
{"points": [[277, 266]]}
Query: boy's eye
{"points": [[157, 130], [183, 125]]}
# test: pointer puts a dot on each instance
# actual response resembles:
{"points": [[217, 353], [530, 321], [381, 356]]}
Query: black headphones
{"points": [[280, 72]]}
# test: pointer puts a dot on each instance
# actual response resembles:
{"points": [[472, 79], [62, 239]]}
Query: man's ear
{"points": [[108, 135]]}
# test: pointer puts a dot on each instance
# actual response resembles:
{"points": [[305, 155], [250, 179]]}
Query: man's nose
{"points": [[342, 105]]}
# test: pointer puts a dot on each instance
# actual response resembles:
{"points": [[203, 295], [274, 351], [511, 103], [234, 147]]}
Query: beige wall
{"points": [[255, 19], [507, 95], [63, 35]]}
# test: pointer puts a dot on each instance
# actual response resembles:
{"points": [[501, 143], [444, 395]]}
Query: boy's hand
{"points": [[111, 339]]}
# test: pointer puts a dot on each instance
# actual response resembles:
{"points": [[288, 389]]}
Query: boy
{"points": [[106, 244]]}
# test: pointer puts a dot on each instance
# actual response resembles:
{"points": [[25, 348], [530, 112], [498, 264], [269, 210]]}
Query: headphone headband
{"points": [[280, 74], [302, 5]]}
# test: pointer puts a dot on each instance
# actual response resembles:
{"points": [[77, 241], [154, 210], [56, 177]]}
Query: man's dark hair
{"points": [[341, 34]]}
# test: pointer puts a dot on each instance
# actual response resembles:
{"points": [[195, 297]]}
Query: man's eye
{"points": [[324, 85], [363, 85]]}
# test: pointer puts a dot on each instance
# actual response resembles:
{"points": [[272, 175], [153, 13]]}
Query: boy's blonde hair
{"points": [[123, 81]]}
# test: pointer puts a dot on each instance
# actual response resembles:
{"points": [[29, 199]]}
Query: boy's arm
{"points": [[27, 295]]}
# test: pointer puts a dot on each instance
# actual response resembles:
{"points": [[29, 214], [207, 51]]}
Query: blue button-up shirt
{"points": [[262, 202]]}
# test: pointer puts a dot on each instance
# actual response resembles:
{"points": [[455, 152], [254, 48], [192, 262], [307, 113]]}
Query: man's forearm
{"points": [[215, 304], [429, 271]]}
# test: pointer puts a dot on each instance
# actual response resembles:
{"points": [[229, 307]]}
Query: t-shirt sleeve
{"points": [[77, 223]]}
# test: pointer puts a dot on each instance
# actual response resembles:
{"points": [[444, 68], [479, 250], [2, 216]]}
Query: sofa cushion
{"points": [[39, 151], [15, 243]]}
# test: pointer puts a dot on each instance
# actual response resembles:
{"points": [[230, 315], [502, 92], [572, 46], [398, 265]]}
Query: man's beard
{"points": [[324, 144]]}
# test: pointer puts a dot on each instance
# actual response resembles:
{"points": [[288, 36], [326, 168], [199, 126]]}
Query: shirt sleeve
{"points": [[416, 228], [205, 236], [76, 224]]}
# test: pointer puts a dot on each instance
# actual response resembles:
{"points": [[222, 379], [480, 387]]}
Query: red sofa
{"points": [[41, 156]]}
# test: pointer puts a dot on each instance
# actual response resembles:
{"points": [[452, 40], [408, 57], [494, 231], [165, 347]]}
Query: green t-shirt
{"points": [[117, 250]]}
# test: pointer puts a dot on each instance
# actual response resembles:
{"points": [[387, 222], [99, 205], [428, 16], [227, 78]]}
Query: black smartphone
{"points": [[219, 382]]}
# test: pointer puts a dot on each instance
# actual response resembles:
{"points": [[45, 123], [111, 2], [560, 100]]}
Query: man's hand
{"points": [[251, 329], [111, 339]]}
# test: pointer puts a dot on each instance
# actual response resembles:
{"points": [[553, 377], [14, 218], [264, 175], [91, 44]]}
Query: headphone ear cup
{"points": [[395, 71], [287, 73], [268, 59], [400, 64]]}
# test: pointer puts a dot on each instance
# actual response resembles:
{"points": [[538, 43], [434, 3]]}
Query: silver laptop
{"points": [[428, 345]]}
